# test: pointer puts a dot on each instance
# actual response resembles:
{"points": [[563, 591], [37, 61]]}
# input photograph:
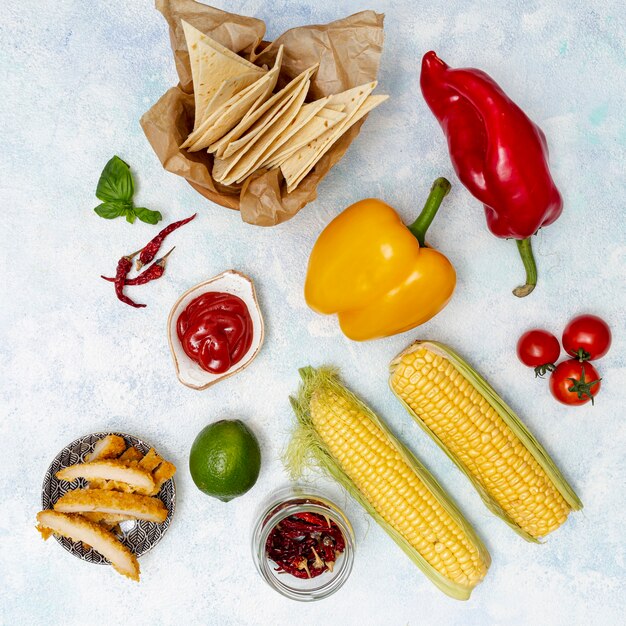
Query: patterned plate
{"points": [[140, 536]]}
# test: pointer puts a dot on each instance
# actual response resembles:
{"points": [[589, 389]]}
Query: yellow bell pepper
{"points": [[377, 274]]}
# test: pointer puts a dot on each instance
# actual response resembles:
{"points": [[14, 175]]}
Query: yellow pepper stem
{"points": [[438, 192]]}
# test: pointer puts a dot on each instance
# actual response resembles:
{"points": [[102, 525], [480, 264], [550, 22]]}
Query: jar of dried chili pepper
{"points": [[292, 507]]}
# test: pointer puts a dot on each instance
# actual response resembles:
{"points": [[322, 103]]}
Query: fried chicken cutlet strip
{"points": [[77, 528], [113, 485], [108, 519], [151, 461], [109, 447], [130, 457], [131, 505], [132, 454], [136, 478], [161, 475]]}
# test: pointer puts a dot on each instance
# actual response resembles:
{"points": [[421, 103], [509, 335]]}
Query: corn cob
{"points": [[353, 445], [512, 472]]}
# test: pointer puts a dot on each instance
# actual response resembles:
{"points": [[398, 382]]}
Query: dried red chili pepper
{"points": [[300, 526], [152, 247], [311, 518], [327, 547], [292, 568], [124, 265], [305, 545], [156, 270], [337, 535]]}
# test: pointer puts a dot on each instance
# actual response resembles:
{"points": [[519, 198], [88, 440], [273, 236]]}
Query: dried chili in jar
{"points": [[305, 545]]}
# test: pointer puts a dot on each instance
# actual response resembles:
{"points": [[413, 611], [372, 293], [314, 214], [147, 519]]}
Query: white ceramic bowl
{"points": [[188, 371]]}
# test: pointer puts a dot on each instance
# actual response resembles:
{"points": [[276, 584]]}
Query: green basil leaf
{"points": [[116, 182], [130, 215], [148, 216], [111, 210]]}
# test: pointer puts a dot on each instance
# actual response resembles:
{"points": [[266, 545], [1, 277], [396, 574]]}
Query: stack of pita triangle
{"points": [[248, 127]]}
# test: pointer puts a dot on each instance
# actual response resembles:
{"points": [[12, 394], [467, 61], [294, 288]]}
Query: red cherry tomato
{"points": [[575, 383], [587, 337], [539, 349]]}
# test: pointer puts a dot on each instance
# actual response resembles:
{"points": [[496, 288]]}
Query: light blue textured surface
{"points": [[76, 76]]}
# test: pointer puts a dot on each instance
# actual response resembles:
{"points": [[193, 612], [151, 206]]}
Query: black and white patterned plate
{"points": [[140, 536]]}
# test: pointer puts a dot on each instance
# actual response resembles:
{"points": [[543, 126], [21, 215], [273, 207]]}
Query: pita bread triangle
{"points": [[266, 114], [254, 156], [321, 122], [335, 107], [231, 142], [228, 89], [231, 112], [370, 103], [306, 113], [211, 65], [265, 129], [193, 35], [353, 99]]}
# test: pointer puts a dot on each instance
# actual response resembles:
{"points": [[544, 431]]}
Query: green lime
{"points": [[225, 459]]}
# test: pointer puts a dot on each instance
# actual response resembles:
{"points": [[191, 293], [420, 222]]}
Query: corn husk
{"points": [[307, 449], [511, 420]]}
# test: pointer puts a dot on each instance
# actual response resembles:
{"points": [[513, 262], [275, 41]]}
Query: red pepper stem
{"points": [[438, 192], [526, 252]]}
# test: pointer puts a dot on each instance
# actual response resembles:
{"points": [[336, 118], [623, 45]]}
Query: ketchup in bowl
{"points": [[215, 330]]}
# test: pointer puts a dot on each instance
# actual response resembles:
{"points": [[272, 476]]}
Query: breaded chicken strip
{"points": [[137, 479], [109, 447], [108, 519], [114, 502], [161, 475], [113, 485], [151, 461], [77, 528], [132, 454]]}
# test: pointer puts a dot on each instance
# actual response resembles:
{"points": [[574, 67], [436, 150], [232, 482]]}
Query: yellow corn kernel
{"points": [[392, 485], [484, 438]]}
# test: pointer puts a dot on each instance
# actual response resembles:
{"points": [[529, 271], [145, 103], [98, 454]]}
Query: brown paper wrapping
{"points": [[348, 52]]}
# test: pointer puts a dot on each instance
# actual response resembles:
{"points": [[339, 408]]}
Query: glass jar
{"points": [[282, 504]]}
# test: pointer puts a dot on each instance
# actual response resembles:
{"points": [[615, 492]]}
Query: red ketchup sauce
{"points": [[215, 331]]}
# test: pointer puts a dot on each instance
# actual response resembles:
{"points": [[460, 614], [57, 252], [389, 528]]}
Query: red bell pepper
{"points": [[498, 153]]}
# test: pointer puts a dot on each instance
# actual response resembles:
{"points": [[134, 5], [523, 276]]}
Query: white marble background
{"points": [[75, 77]]}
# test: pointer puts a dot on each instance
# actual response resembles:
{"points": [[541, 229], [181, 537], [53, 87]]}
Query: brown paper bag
{"points": [[348, 52]]}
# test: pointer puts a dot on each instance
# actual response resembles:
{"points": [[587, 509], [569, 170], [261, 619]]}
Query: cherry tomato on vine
{"points": [[575, 383], [587, 337], [539, 349]]}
